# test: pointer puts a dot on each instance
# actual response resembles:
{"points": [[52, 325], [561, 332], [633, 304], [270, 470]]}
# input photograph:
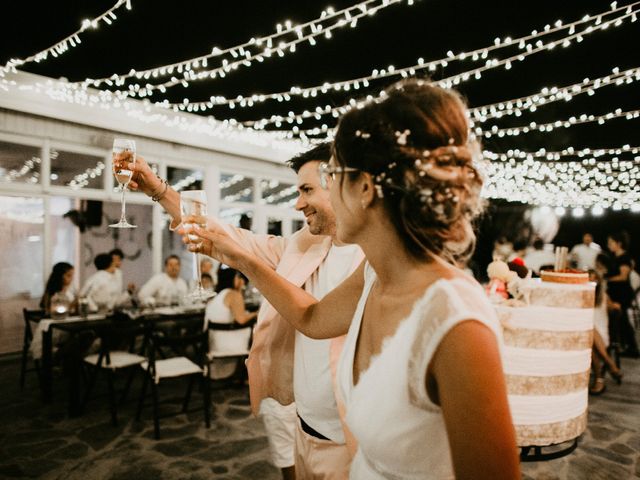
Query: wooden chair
{"points": [[190, 363], [30, 316]]}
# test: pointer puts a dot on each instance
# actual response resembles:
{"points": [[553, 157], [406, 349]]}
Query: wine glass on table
{"points": [[123, 176], [194, 202]]}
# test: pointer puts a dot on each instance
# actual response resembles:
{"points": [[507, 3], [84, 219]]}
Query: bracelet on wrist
{"points": [[160, 195]]}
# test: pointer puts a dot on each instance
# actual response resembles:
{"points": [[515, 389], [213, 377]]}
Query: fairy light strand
{"points": [[550, 126], [242, 55], [64, 45], [567, 184], [592, 153], [547, 95], [356, 83], [318, 112]]}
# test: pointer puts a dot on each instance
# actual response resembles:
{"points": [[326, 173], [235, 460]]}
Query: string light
{"points": [[530, 103], [66, 43], [356, 83], [318, 112], [28, 166], [187, 181], [548, 127], [144, 113], [593, 153], [81, 180], [256, 49], [584, 184]]}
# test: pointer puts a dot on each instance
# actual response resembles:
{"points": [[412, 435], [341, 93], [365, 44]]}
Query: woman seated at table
{"points": [[60, 281], [66, 349], [228, 307]]}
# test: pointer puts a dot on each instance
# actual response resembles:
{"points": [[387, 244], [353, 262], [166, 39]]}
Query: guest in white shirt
{"points": [[538, 257], [584, 254], [164, 288], [118, 255], [103, 289]]}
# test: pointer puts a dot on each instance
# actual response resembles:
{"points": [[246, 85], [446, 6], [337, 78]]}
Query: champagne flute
{"points": [[123, 176], [194, 202]]}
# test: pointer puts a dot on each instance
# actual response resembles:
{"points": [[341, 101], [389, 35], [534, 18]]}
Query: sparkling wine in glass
{"points": [[123, 176], [194, 202]]}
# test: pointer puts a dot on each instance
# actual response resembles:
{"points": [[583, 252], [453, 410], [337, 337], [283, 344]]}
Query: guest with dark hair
{"points": [[228, 307], [60, 281], [102, 289], [165, 288], [118, 257], [420, 372], [207, 281], [619, 289]]}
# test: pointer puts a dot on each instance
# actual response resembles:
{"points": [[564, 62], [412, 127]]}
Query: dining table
{"points": [[98, 323]]}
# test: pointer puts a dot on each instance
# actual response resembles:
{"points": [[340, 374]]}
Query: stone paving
{"points": [[39, 441]]}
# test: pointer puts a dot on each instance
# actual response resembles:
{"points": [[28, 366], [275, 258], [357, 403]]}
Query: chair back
{"points": [[31, 316], [120, 334], [193, 346], [223, 345]]}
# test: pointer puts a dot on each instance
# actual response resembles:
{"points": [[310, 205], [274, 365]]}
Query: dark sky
{"points": [[158, 32]]}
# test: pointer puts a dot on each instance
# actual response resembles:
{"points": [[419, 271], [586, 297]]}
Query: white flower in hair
{"points": [[401, 137]]}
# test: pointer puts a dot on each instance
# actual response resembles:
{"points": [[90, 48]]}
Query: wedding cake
{"points": [[548, 335]]}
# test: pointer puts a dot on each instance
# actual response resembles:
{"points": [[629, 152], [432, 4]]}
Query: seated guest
{"points": [[103, 289], [538, 257], [66, 349], [60, 281], [118, 256], [165, 288], [207, 281], [228, 307]]}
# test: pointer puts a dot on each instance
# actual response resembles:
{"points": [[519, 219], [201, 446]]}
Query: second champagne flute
{"points": [[194, 202], [123, 176]]}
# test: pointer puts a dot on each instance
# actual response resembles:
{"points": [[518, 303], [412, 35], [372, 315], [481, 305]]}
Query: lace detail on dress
{"points": [[442, 307]]}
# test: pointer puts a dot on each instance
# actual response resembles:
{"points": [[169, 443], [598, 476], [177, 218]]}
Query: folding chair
{"points": [[190, 364], [111, 358], [30, 316]]}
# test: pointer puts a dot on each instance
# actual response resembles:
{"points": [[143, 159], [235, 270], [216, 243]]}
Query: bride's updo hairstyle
{"points": [[415, 143]]}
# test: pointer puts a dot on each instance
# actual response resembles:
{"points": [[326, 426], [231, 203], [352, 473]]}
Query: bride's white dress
{"points": [[401, 434]]}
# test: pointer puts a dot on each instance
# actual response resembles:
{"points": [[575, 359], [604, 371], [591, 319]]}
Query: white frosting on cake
{"points": [[544, 363], [554, 319], [532, 410], [546, 379]]}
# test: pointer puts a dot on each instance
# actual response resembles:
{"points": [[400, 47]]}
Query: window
{"points": [[238, 217], [277, 193], [21, 256], [76, 170], [19, 163], [236, 188], [184, 179]]}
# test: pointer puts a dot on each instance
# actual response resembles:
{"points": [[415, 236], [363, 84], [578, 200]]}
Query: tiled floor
{"points": [[39, 441]]}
